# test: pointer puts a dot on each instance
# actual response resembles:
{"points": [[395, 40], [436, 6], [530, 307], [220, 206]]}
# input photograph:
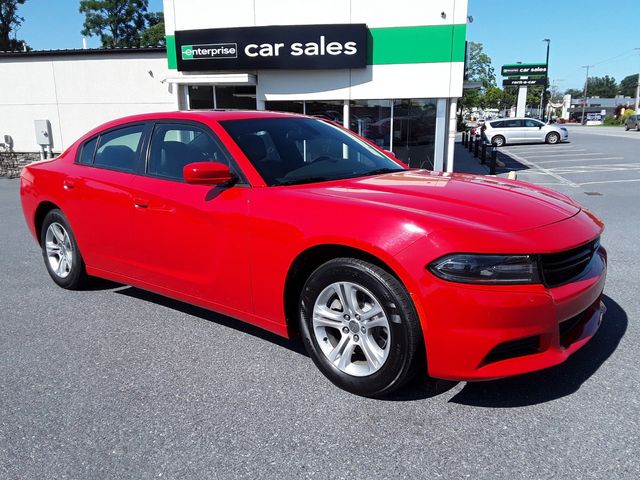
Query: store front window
{"points": [[208, 97], [414, 129], [405, 126], [285, 106]]}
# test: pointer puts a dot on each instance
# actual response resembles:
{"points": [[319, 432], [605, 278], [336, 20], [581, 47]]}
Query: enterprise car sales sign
{"points": [[532, 69], [283, 47]]}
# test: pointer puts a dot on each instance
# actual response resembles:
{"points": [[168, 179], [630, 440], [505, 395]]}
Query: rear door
{"points": [[514, 131], [191, 239], [100, 198]]}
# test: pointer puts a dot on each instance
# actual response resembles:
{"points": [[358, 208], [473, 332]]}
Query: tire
{"points": [[637, 127], [552, 138], [343, 345], [498, 141], [61, 253], [626, 127]]}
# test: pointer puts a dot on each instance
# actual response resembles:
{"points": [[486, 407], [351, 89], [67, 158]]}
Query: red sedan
{"points": [[299, 226]]}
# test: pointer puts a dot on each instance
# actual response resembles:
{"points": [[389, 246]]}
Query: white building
{"points": [[391, 72]]}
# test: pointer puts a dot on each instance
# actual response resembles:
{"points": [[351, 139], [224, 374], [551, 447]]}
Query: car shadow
{"points": [[294, 345], [556, 382]]}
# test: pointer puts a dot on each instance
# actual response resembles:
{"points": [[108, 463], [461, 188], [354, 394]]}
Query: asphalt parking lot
{"points": [[118, 383]]}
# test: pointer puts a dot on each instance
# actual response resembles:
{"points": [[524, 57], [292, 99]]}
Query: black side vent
{"points": [[512, 349], [561, 268]]}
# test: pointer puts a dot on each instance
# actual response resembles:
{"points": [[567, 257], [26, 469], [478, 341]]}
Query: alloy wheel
{"points": [[351, 328], [59, 250]]}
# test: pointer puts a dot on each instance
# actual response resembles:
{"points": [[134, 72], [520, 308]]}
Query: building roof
{"points": [[83, 51]]}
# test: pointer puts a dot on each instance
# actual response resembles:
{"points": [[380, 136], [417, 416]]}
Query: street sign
{"points": [[524, 69], [529, 82]]}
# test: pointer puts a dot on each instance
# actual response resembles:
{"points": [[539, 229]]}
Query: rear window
{"points": [[118, 149], [87, 151]]}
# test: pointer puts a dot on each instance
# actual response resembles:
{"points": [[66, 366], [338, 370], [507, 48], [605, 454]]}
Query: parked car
{"points": [[523, 130], [633, 121], [301, 227]]}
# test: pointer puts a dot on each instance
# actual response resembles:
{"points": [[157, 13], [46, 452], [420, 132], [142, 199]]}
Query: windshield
{"points": [[290, 150]]}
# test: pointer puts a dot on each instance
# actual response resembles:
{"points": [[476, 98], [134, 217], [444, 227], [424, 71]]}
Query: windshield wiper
{"points": [[299, 181]]}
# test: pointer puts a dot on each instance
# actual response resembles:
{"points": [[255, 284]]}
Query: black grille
{"points": [[560, 268], [512, 349]]}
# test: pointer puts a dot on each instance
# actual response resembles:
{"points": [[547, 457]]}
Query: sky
{"points": [[582, 32], [600, 33], [55, 24]]}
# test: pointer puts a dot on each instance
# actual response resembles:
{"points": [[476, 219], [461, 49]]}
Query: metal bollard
{"points": [[470, 142], [464, 138], [483, 153], [476, 146], [494, 157]]}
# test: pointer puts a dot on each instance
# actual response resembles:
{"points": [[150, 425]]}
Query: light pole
{"points": [[543, 102], [637, 103], [584, 95]]}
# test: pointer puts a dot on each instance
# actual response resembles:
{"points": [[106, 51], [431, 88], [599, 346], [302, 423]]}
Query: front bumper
{"points": [[482, 333]]}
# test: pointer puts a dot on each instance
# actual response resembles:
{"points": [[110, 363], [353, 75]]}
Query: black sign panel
{"points": [[283, 47], [518, 70], [530, 82]]}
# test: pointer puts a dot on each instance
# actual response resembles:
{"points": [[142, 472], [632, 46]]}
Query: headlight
{"points": [[486, 269]]}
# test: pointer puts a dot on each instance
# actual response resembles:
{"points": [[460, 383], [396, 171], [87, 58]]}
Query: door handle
{"points": [[140, 203], [68, 184]]}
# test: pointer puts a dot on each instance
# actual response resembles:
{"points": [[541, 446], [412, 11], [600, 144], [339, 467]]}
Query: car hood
{"points": [[457, 199]]}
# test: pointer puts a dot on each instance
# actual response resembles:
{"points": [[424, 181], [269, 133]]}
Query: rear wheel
{"points": [[498, 141], [626, 127], [60, 252], [360, 327], [552, 138]]}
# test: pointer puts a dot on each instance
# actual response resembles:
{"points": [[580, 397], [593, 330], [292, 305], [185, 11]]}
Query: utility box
{"points": [[44, 138]]}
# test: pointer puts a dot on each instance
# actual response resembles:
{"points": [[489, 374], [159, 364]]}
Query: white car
{"points": [[523, 130]]}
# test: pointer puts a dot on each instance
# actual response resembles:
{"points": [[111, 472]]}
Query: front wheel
{"points": [[61, 253], [626, 127], [552, 138], [360, 327]]}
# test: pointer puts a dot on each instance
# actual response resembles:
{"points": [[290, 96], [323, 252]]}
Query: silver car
{"points": [[523, 130], [632, 122]]}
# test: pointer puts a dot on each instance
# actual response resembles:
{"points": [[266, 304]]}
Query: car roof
{"points": [[195, 115]]}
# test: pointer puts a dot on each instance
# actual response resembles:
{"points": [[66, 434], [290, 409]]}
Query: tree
{"points": [[605, 87], [153, 35], [10, 21], [574, 92], [480, 68], [118, 23], [628, 85]]}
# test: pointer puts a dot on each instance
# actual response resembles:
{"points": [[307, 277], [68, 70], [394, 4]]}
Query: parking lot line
{"points": [[619, 167], [611, 181], [564, 154], [533, 165], [581, 159]]}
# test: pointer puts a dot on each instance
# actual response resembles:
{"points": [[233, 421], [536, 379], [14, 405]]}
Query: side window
{"points": [[497, 124], [118, 149], [173, 146], [513, 123], [87, 150], [531, 123]]}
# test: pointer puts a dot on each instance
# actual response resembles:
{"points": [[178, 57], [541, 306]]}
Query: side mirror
{"points": [[207, 173]]}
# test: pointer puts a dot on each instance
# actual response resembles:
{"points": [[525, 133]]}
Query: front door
{"points": [[535, 133], [191, 239]]}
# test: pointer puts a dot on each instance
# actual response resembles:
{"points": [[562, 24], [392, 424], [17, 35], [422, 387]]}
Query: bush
{"points": [[613, 121]]}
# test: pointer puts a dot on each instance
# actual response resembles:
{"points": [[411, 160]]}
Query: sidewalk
{"points": [[465, 162]]}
